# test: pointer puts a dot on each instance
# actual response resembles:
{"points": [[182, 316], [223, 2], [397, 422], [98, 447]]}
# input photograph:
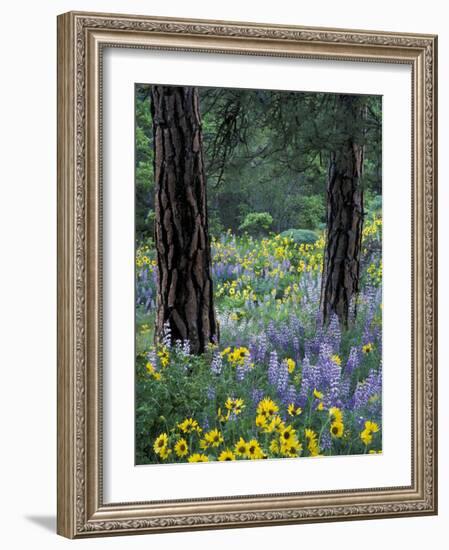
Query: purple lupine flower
{"points": [[367, 389], [260, 348], [296, 325], [273, 368], [151, 356], [178, 345], [216, 365], [310, 290], [329, 375], [378, 339], [186, 347], [372, 299], [333, 375], [296, 345], [325, 376], [257, 396], [271, 331], [281, 336], [242, 370], [282, 377], [210, 393], [314, 344], [333, 334], [249, 304], [345, 386], [309, 380], [290, 395], [326, 440], [308, 347], [353, 361]]}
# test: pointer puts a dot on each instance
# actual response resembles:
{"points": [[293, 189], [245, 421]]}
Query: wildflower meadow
{"points": [[278, 385], [276, 382]]}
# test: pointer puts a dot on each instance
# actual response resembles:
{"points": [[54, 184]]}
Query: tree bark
{"points": [[341, 270], [184, 286]]}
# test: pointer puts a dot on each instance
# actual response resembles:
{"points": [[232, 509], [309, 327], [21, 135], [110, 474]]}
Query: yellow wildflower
{"points": [[213, 438], [238, 356], [367, 348], [336, 429], [160, 443], [267, 407], [275, 424], [294, 411], [164, 453], [261, 421], [287, 434], [312, 442], [372, 426], [223, 417], [241, 447], [292, 448], [189, 425], [366, 435], [164, 356], [198, 457], [150, 368], [336, 414], [226, 455], [336, 359], [181, 447], [274, 446], [235, 405], [253, 450], [291, 365]]}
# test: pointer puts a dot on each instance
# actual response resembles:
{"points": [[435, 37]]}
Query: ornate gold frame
{"points": [[81, 37]]}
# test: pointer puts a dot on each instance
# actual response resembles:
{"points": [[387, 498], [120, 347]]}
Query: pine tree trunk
{"points": [[341, 270], [184, 287]]}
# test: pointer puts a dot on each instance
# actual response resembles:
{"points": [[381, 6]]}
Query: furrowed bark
{"points": [[184, 286], [341, 270]]}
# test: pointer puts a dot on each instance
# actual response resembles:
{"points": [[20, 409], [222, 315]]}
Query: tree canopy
{"points": [[265, 152]]}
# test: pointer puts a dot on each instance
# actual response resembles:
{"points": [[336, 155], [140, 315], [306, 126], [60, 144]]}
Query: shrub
{"points": [[256, 223], [373, 205], [301, 236], [312, 212]]}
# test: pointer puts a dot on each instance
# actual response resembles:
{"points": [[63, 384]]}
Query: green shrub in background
{"points": [[312, 211], [256, 223], [373, 205], [301, 236]]}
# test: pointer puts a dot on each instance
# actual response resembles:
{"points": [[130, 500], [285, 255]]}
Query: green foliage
{"points": [[216, 227], [178, 398], [312, 211], [373, 205], [264, 151], [301, 236], [257, 223], [144, 165]]}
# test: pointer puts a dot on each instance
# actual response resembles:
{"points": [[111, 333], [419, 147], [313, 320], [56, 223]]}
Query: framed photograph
{"points": [[247, 275]]}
